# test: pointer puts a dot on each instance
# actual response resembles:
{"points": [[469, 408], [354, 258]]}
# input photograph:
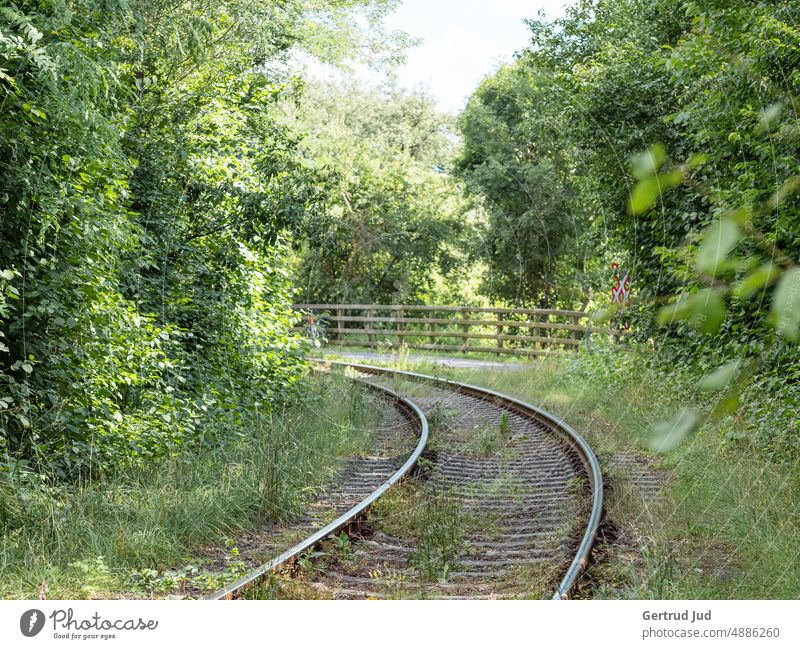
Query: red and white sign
{"points": [[621, 291]]}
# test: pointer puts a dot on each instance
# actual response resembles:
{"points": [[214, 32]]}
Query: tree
{"points": [[394, 227], [514, 157], [148, 196]]}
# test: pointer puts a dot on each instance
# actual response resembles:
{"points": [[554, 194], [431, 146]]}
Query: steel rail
{"points": [[234, 589], [569, 434]]}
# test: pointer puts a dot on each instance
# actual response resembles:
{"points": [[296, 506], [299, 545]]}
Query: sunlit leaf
{"points": [[740, 216], [646, 192], [705, 310], [728, 404], [604, 315], [666, 435], [647, 163], [786, 305], [757, 281], [720, 378], [644, 195], [677, 311], [769, 114], [697, 160], [787, 189], [721, 238], [708, 310]]}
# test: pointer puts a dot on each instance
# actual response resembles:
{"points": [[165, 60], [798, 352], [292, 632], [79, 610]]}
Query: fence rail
{"points": [[527, 332]]}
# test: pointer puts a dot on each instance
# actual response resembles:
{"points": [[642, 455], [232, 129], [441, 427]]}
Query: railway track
{"points": [[503, 501]]}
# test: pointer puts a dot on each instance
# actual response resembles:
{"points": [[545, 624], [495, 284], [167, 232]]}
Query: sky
{"points": [[463, 41]]}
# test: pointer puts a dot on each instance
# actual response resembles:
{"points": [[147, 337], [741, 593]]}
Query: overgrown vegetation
{"points": [[549, 139], [662, 136], [134, 531], [724, 520], [149, 193], [434, 522]]}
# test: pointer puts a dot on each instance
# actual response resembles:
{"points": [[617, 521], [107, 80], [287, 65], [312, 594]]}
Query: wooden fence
{"points": [[528, 332]]}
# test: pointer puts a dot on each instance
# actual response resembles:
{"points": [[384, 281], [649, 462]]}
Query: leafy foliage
{"points": [[149, 193], [395, 228], [512, 156], [668, 134]]}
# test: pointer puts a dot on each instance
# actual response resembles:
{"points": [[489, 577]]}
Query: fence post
{"points": [[370, 326], [534, 331], [576, 335], [465, 331], [499, 340], [339, 314], [399, 327]]}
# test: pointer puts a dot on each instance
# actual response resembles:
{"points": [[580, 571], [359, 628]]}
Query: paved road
{"points": [[463, 363]]}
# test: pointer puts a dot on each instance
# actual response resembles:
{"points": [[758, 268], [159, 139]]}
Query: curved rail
{"points": [[570, 435], [236, 588]]}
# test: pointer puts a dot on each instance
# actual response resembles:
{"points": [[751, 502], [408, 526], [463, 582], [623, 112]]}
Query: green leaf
{"points": [[27, 367], [647, 163], [720, 378], [7, 274], [784, 191], [708, 310], [644, 195], [697, 160], [720, 239], [757, 281], [705, 310], [647, 190], [666, 435], [604, 315], [728, 404], [769, 115], [785, 311], [677, 311], [741, 216]]}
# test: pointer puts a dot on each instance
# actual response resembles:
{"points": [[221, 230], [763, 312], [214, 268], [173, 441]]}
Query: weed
{"points": [[440, 528], [307, 561], [393, 581], [577, 485], [343, 546], [505, 430], [440, 418], [491, 440]]}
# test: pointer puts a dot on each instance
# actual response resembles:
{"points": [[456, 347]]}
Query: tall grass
{"points": [[82, 538]]}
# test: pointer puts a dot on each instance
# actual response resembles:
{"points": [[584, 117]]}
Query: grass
{"points": [[125, 535], [433, 521], [491, 440], [438, 521], [402, 357], [724, 525]]}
